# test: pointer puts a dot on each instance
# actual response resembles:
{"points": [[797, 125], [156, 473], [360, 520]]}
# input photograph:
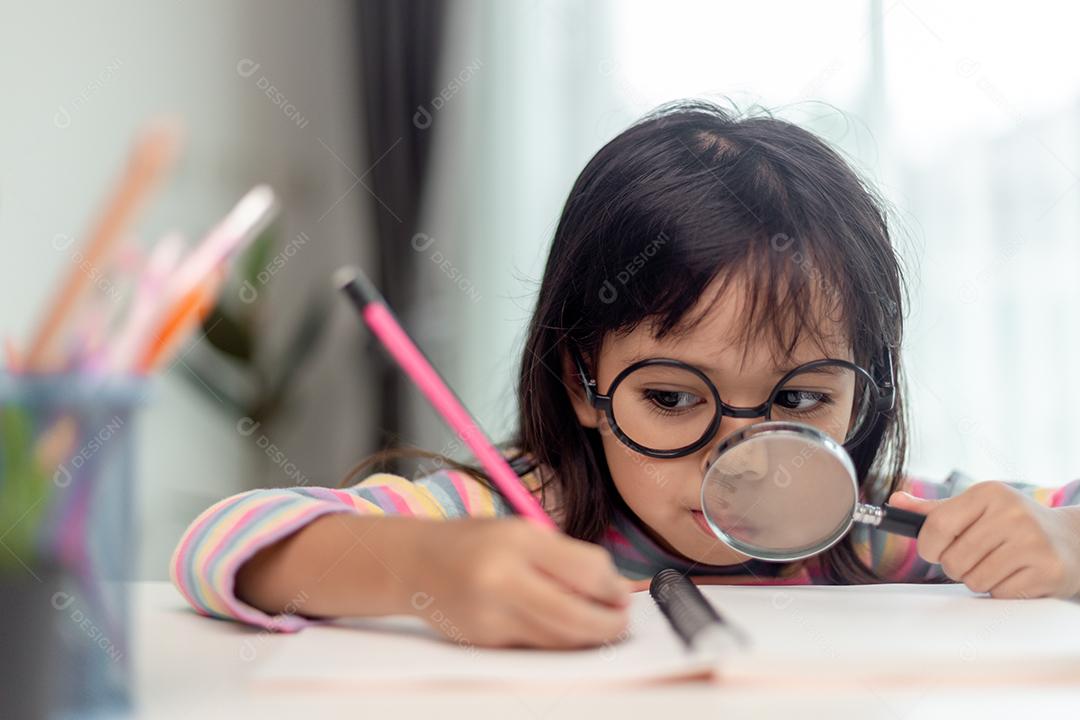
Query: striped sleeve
{"points": [[221, 539], [894, 557]]}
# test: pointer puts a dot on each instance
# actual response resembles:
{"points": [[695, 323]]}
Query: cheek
{"points": [[651, 487]]}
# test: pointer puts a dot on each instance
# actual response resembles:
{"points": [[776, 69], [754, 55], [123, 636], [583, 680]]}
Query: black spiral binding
{"points": [[685, 607]]}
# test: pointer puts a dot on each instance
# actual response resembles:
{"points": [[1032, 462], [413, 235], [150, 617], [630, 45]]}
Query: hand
{"points": [[994, 539], [505, 582]]}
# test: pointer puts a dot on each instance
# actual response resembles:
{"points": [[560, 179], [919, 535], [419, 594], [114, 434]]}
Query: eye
{"points": [[801, 400], [672, 400]]}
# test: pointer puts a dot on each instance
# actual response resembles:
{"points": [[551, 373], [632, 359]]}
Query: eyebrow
{"points": [[831, 370], [777, 370]]}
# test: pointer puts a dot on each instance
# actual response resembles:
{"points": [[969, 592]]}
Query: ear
{"points": [[587, 415]]}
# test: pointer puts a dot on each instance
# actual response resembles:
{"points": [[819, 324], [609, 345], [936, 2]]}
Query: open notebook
{"points": [[875, 634]]}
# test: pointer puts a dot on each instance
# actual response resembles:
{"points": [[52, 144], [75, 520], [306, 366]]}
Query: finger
{"points": [[1023, 584], [971, 548], [585, 568], [577, 616], [529, 631], [519, 626], [946, 522], [534, 631], [567, 615], [994, 568], [510, 626], [907, 501], [518, 630]]}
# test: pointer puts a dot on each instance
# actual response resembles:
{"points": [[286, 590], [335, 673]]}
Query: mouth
{"points": [[699, 520], [736, 530]]}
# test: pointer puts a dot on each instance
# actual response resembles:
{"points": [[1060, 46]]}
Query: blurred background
{"points": [[435, 142]]}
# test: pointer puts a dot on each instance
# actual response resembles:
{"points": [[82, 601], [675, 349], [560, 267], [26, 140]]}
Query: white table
{"points": [[188, 666]]}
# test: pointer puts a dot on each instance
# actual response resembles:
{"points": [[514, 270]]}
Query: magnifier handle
{"points": [[901, 522]]}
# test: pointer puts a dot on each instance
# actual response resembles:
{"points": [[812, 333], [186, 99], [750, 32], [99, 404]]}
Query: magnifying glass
{"points": [[784, 491]]}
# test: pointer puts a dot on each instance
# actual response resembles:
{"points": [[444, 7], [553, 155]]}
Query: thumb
{"points": [[907, 501]]}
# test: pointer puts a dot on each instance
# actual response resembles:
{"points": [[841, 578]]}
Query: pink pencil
{"points": [[373, 309]]}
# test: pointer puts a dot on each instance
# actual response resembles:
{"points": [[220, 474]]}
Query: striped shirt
{"points": [[204, 565]]}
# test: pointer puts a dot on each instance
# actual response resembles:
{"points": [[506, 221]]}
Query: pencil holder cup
{"points": [[66, 544]]}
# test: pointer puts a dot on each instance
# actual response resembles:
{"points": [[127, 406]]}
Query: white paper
{"points": [[899, 634], [818, 634]]}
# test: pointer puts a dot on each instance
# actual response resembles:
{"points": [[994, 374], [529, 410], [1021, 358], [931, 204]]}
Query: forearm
{"points": [[338, 565]]}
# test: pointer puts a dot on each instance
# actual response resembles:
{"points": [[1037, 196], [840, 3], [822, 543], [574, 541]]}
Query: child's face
{"points": [[666, 493]]}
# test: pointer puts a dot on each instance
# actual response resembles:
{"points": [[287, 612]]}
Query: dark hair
{"points": [[692, 194], [689, 195]]}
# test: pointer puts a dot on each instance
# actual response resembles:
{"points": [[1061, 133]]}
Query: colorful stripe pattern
{"points": [[204, 565]]}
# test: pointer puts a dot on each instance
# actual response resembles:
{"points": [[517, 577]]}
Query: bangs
{"points": [[785, 296]]}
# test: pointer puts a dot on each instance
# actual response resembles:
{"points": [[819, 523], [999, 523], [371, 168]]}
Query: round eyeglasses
{"points": [[666, 408]]}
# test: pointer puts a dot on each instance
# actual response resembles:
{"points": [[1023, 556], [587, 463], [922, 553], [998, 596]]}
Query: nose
{"points": [[749, 461]]}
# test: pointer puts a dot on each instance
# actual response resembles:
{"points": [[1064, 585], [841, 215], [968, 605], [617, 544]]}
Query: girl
{"points": [[700, 257]]}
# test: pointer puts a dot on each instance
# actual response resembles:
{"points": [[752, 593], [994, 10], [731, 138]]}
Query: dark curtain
{"points": [[400, 44]]}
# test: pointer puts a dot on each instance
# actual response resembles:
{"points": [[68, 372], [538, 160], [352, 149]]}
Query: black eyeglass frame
{"points": [[884, 399]]}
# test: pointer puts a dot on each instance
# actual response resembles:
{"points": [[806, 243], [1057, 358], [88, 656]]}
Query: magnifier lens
{"points": [[779, 494]]}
